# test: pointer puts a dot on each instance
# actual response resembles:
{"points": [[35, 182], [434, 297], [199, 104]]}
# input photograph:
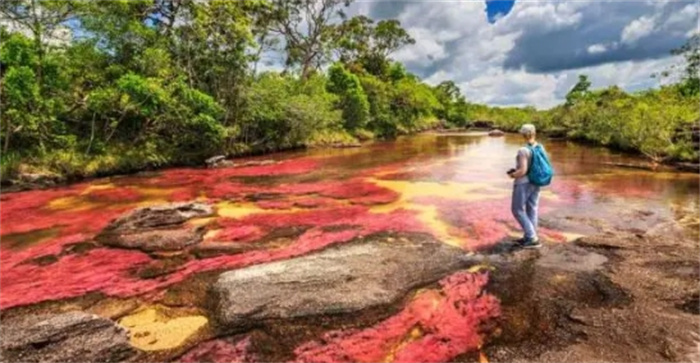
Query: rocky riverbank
{"points": [[616, 296]]}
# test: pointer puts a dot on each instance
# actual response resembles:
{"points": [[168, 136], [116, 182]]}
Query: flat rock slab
{"points": [[68, 337], [156, 228], [363, 274]]}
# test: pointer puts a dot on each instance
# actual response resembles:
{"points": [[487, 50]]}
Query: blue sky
{"points": [[498, 8], [530, 52]]}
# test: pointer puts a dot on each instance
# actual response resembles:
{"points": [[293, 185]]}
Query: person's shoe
{"points": [[531, 243], [521, 240]]}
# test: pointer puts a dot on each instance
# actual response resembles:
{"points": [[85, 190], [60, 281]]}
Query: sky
{"points": [[525, 52]]}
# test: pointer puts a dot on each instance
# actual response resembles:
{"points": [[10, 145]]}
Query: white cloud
{"points": [[637, 29], [689, 14], [474, 53], [428, 48], [597, 48]]}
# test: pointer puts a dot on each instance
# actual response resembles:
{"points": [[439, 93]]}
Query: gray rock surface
{"points": [[344, 279], [69, 337], [156, 228]]}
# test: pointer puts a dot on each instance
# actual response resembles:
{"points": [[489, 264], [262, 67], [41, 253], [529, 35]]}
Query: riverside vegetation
{"points": [[98, 88]]}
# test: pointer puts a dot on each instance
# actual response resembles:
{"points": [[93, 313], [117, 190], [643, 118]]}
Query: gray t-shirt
{"points": [[523, 151]]}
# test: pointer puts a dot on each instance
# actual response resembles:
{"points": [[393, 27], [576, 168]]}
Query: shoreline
{"points": [[52, 180]]}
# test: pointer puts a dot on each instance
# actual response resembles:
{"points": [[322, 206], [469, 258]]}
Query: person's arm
{"points": [[522, 171]]}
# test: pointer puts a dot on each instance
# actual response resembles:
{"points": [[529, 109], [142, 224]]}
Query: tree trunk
{"points": [[8, 132]]}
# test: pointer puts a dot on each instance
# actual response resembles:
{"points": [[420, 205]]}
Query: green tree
{"points": [[579, 91], [308, 30], [352, 98]]}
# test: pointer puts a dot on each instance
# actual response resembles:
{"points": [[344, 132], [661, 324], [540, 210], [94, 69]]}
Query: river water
{"points": [[453, 187]]}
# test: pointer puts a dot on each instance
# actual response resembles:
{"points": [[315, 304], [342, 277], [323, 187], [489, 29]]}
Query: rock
{"points": [[28, 181], [363, 274], [692, 167], [256, 163], [157, 228], [496, 132], [216, 161], [68, 337]]}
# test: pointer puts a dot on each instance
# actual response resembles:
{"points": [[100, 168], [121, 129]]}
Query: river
{"points": [[451, 186]]}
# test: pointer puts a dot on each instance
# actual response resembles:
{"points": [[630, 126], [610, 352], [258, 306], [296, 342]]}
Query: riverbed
{"points": [[450, 188]]}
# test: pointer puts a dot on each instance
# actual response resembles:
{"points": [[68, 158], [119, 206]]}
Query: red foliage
{"points": [[449, 324], [73, 275], [239, 233], [275, 204], [220, 351], [113, 195]]}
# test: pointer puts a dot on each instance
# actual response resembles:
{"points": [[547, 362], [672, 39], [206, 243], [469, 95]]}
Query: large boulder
{"points": [[69, 337], [156, 228], [363, 274]]}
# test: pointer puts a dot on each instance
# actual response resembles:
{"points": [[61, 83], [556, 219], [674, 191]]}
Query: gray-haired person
{"points": [[525, 194]]}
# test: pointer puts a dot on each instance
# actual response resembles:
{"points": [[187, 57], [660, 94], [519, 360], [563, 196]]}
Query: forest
{"points": [[101, 88]]}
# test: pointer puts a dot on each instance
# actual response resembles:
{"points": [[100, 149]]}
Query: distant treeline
{"points": [[97, 88]]}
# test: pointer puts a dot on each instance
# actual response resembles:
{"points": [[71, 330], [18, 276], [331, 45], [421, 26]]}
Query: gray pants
{"points": [[526, 196]]}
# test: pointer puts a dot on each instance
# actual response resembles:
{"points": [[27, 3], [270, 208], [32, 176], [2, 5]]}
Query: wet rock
{"points": [[219, 161], [496, 132], [69, 337], [360, 275], [691, 167], [256, 163], [571, 258], [212, 249], [158, 228], [215, 161]]}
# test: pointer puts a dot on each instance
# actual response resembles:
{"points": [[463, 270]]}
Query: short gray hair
{"points": [[528, 129]]}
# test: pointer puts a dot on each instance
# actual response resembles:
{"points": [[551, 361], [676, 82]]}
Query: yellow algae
{"points": [[72, 204], [480, 267], [94, 187], [413, 335], [151, 329], [196, 222], [569, 236], [237, 210], [154, 196], [240, 210], [558, 278], [451, 190], [428, 214]]}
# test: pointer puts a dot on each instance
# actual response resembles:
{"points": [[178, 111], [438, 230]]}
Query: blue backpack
{"points": [[540, 171]]}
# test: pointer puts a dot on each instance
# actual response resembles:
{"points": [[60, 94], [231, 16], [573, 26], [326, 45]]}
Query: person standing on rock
{"points": [[532, 171]]}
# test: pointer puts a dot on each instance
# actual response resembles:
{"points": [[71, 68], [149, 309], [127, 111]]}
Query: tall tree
{"points": [[691, 74], [362, 41], [307, 28], [579, 91]]}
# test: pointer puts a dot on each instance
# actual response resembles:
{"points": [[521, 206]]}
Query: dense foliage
{"points": [[91, 88]]}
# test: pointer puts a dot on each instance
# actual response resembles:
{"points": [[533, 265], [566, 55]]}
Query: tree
{"points": [[43, 20], [353, 100], [307, 28], [579, 91], [691, 74], [361, 41]]}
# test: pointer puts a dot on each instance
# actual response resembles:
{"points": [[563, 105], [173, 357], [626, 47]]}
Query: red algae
{"points": [[74, 275], [433, 327], [275, 204], [220, 351], [113, 195], [239, 233]]}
